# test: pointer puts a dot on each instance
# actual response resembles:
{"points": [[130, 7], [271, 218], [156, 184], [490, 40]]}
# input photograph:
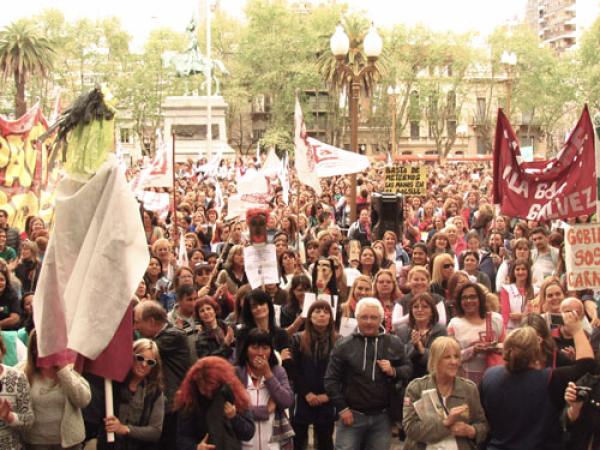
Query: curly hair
{"points": [[210, 369]]}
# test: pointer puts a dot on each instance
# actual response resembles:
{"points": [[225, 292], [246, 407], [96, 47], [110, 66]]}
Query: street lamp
{"points": [[393, 93], [340, 45], [509, 59]]}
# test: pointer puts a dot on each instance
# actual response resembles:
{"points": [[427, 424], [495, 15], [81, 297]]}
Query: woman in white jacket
{"points": [[58, 394]]}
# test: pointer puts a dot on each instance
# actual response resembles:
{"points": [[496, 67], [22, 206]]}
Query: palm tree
{"points": [[23, 52]]}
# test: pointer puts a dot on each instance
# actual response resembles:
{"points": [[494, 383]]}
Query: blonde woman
{"points": [[442, 270], [385, 289], [461, 421], [361, 288], [419, 283], [139, 402], [233, 273], [163, 251]]}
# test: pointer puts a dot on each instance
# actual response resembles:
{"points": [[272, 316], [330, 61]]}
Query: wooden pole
{"points": [[108, 405], [174, 211]]}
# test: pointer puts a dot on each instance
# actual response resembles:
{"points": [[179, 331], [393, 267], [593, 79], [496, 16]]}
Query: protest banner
{"points": [[332, 161], [23, 165], [559, 188], [582, 256], [406, 180]]}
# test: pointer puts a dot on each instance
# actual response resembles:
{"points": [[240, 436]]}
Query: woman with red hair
{"points": [[213, 408]]}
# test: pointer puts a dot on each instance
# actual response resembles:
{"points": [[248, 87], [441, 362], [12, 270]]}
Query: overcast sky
{"points": [[140, 16]]}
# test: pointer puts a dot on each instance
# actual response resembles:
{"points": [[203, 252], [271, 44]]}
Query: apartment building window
{"points": [[415, 129], [451, 127], [125, 136], [480, 108]]}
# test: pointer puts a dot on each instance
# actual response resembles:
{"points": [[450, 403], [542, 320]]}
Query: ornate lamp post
{"points": [[340, 44], [393, 93], [509, 59]]}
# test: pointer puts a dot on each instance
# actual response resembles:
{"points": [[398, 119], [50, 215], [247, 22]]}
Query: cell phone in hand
{"points": [[227, 393]]}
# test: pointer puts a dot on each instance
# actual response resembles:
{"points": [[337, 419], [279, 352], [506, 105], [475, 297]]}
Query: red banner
{"points": [[561, 187]]}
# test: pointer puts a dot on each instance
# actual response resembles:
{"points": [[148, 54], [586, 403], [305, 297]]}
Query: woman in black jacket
{"points": [[422, 329], [214, 338], [258, 312], [291, 313], [213, 408], [138, 403], [307, 364]]}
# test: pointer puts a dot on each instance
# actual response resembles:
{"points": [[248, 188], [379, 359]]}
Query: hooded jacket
{"points": [[353, 378]]}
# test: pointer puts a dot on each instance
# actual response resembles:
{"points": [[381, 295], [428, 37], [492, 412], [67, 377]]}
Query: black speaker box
{"points": [[387, 213]]}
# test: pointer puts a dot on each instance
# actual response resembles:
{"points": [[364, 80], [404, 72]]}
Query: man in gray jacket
{"points": [[364, 370]]}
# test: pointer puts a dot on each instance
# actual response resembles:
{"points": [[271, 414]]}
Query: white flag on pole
{"points": [[182, 258], [160, 171], [304, 158], [285, 179]]}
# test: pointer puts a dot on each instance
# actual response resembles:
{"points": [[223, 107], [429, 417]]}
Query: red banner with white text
{"points": [[558, 188]]}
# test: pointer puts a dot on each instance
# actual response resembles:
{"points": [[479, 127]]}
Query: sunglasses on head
{"points": [[141, 359]]}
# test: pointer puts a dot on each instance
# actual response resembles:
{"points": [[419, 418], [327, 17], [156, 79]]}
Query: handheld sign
{"points": [[406, 180]]}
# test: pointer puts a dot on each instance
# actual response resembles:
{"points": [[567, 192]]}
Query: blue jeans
{"points": [[366, 433]]}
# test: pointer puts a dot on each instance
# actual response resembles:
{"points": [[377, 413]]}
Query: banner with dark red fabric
{"points": [[558, 188]]}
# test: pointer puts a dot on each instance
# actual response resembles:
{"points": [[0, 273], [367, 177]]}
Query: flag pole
{"points": [[596, 128], [108, 405], [174, 210]]}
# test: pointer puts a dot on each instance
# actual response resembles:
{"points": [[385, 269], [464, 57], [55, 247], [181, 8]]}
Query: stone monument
{"points": [[187, 116]]}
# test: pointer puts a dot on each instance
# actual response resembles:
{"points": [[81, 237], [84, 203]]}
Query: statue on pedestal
{"points": [[192, 62]]}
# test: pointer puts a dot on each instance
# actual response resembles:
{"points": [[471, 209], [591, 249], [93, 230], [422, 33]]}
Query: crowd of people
{"points": [[453, 331]]}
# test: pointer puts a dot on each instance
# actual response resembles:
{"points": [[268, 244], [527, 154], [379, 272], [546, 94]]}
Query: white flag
{"points": [[305, 160], [218, 197], [160, 171], [182, 258], [285, 179]]}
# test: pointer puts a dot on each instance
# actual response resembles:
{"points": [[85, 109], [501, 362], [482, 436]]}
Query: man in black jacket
{"points": [[363, 372], [150, 320]]}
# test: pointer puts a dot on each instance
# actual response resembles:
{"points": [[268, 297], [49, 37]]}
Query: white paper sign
{"points": [[582, 256], [277, 309], [260, 263], [310, 298], [347, 326]]}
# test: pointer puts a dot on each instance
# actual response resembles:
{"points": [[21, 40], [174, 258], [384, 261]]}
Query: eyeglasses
{"points": [[141, 359], [469, 298], [448, 266]]}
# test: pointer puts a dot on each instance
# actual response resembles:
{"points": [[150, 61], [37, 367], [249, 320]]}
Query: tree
{"points": [[444, 89], [543, 87], [589, 66], [24, 52]]}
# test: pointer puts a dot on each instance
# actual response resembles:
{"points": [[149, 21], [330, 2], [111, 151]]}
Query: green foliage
{"points": [[280, 139], [24, 52]]}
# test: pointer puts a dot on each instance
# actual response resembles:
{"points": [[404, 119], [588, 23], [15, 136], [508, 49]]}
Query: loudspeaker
{"points": [[387, 213]]}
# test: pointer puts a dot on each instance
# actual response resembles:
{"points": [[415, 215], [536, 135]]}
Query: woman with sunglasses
{"points": [[138, 403], [58, 394], [442, 270]]}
